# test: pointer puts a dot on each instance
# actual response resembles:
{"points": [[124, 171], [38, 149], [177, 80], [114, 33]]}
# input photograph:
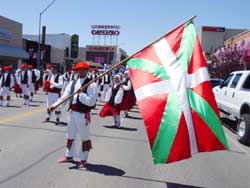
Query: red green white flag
{"points": [[175, 97]]}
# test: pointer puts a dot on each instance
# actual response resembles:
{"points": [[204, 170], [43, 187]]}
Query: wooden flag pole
{"points": [[115, 66]]}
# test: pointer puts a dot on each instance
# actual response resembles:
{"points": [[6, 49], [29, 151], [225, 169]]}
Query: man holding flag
{"points": [[175, 97], [79, 116]]}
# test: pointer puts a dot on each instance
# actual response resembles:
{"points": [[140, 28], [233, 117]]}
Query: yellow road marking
{"points": [[22, 115]]}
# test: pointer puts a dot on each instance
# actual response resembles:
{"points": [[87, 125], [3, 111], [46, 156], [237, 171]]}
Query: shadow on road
{"points": [[176, 185], [231, 125], [38, 101], [168, 184], [33, 105], [121, 128], [134, 111], [131, 117], [54, 122], [101, 169], [13, 106]]}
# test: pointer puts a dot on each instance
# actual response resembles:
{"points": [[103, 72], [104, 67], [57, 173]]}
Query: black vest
{"points": [[55, 89], [24, 78], [46, 77], [114, 92], [106, 79], [125, 82], [33, 76], [6, 82], [82, 108]]}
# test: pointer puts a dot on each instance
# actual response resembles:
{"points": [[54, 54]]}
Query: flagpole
{"points": [[117, 65]]}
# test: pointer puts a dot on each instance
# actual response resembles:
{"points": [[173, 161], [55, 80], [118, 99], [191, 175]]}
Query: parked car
{"points": [[233, 99], [215, 82]]}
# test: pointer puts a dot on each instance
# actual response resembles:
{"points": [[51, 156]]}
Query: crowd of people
{"points": [[113, 89], [25, 83]]}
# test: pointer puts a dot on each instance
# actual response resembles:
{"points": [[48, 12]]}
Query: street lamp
{"points": [[39, 36]]}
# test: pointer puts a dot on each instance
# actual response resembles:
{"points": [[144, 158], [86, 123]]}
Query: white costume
{"points": [[6, 83], [33, 76], [113, 100], [73, 76], [106, 81], [66, 79], [25, 84], [54, 93], [79, 116]]}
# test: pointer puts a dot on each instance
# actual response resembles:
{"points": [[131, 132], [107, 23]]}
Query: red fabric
{"points": [[206, 139], [128, 100], [108, 110], [147, 78], [197, 60], [30, 66], [152, 114], [174, 39], [6, 68], [148, 54], [81, 65], [23, 66], [181, 146], [17, 88], [46, 85], [36, 86]]}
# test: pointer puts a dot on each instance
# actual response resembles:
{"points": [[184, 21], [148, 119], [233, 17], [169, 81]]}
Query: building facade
{"points": [[60, 48], [102, 54], [212, 38], [11, 46], [31, 47]]}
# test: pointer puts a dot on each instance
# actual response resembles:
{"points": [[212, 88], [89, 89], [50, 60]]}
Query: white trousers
{"points": [[117, 120], [77, 125], [26, 93], [32, 88], [25, 89], [105, 91], [4, 91], [51, 99]]}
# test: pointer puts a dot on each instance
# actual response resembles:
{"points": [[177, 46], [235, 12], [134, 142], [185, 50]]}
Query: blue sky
{"points": [[142, 21]]}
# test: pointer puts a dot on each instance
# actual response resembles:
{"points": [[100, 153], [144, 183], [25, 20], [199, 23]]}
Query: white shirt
{"points": [[4, 77], [118, 96], [88, 99], [29, 81], [128, 86], [53, 83]]}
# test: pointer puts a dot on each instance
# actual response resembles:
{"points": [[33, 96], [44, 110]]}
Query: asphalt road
{"points": [[121, 158]]}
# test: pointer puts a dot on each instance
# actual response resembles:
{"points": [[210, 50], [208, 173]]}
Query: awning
{"points": [[14, 52], [94, 64]]}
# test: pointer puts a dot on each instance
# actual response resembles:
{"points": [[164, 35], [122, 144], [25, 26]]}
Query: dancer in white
{"points": [[79, 115], [6, 83]]}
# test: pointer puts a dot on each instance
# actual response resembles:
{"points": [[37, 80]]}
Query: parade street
{"points": [[29, 149]]}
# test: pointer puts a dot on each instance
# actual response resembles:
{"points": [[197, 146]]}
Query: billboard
{"points": [[74, 46], [213, 29], [102, 57]]}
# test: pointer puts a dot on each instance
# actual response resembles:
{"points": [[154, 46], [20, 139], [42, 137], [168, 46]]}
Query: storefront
{"points": [[31, 48], [11, 51]]}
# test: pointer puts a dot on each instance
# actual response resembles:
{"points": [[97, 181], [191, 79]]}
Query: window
{"points": [[246, 85], [235, 80], [227, 80]]}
